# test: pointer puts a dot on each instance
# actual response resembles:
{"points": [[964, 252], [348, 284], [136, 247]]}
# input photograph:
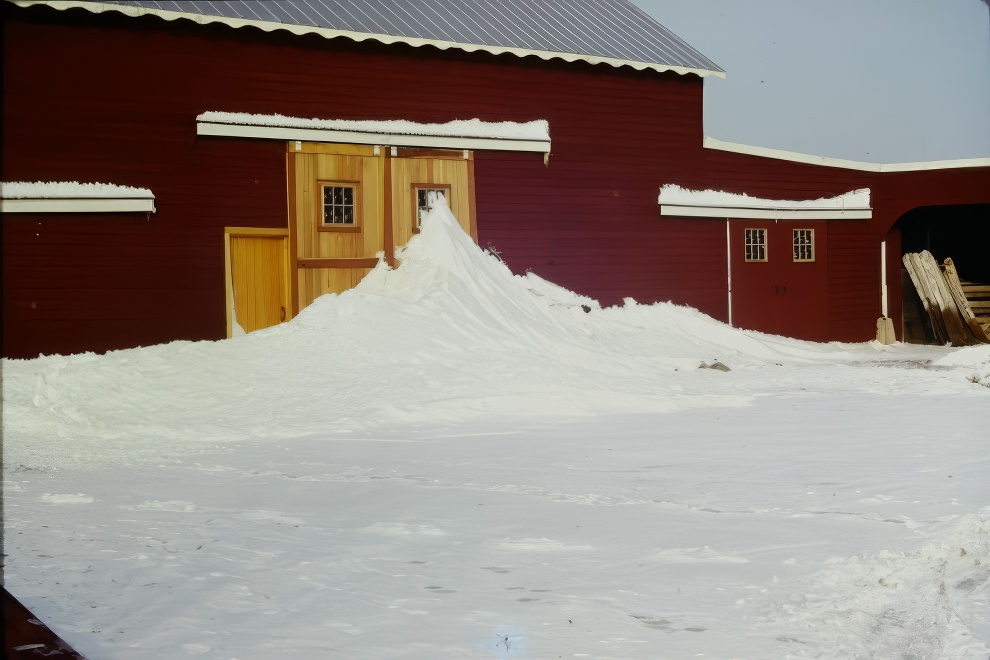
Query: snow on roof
{"points": [[676, 196], [69, 190], [681, 202], [536, 130]]}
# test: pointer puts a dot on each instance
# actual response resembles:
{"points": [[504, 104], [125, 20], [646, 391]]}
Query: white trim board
{"points": [[78, 205], [712, 143], [362, 137], [327, 33], [764, 213]]}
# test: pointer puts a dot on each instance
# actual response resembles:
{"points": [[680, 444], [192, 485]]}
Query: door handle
{"points": [[282, 320]]}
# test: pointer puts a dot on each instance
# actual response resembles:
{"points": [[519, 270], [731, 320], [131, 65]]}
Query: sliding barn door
{"points": [[780, 277], [352, 205], [416, 173], [338, 231]]}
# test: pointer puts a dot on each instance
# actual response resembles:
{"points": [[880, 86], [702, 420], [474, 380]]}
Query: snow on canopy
{"points": [[536, 130], [68, 190], [677, 196]]}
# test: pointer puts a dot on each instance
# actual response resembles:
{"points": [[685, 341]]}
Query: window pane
{"points": [[755, 244], [804, 244], [338, 205]]}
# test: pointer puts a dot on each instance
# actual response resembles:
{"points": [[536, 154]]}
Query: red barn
{"points": [[254, 155]]}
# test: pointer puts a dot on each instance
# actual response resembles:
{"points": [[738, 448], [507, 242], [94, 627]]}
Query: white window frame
{"points": [[752, 249], [803, 251]]}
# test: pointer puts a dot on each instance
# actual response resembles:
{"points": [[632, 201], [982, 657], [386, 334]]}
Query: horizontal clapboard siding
{"points": [[614, 133], [588, 220]]}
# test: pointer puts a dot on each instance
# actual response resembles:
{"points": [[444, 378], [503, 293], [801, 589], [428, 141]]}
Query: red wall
{"points": [[114, 99], [110, 98]]}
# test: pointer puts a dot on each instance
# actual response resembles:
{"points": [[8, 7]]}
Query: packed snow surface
{"points": [[538, 129], [68, 189], [451, 461]]}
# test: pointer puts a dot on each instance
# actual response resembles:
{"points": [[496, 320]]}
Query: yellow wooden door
{"points": [[433, 171], [336, 197], [257, 281], [350, 205]]}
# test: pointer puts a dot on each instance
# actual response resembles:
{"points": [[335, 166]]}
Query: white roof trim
{"points": [[680, 202], [761, 214], [99, 7], [712, 143], [454, 135], [78, 205], [73, 197]]}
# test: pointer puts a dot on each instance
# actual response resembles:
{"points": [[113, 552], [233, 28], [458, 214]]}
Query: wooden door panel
{"points": [[257, 271], [311, 170], [780, 295], [331, 258], [408, 173]]}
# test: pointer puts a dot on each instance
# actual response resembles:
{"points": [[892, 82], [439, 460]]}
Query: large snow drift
{"points": [[454, 461]]}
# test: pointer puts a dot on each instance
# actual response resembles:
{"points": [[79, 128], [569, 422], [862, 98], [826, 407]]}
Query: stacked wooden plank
{"points": [[947, 302], [978, 298]]}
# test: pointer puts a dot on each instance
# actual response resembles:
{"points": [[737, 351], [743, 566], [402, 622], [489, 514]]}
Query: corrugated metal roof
{"points": [[610, 31]]}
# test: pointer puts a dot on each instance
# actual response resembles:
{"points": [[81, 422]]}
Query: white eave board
{"points": [[824, 161], [679, 202], [73, 197], [469, 134]]}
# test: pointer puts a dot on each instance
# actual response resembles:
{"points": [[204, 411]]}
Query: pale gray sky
{"points": [[883, 81]]}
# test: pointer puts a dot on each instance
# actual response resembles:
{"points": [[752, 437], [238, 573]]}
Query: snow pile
{"points": [[69, 190], [452, 461], [536, 130], [674, 195]]}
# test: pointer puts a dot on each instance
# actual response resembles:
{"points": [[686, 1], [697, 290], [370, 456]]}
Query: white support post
{"points": [[728, 267], [883, 278]]}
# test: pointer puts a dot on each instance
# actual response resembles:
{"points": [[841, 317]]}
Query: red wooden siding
{"points": [[780, 295], [130, 119], [110, 98]]}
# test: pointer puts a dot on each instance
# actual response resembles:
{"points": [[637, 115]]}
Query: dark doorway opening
{"points": [[960, 232]]}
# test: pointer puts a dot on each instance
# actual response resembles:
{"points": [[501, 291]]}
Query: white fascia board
{"points": [[712, 143], [358, 137], [78, 205], [99, 7], [764, 214]]}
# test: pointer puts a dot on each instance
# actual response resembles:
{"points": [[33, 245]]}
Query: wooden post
{"points": [[389, 237]]}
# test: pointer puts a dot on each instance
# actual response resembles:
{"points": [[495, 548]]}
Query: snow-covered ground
{"points": [[450, 461]]}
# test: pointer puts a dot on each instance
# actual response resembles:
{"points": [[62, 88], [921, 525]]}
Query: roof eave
{"points": [[78, 205], [304, 134], [825, 161], [744, 213], [327, 33]]}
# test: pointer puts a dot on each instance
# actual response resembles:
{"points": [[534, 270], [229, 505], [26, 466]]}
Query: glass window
{"points": [[338, 205], [756, 244], [804, 245], [425, 198]]}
